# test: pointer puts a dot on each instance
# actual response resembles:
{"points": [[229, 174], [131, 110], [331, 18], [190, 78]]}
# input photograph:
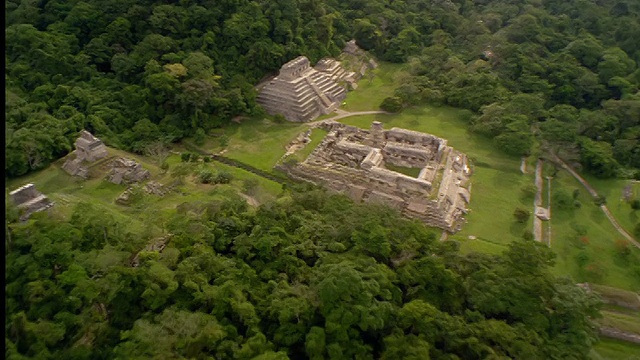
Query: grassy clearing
{"points": [[316, 136], [260, 142], [371, 91], [413, 172], [609, 349], [144, 215], [584, 240], [625, 322], [613, 189]]}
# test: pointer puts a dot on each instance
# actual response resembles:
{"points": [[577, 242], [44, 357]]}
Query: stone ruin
{"points": [[354, 161], [126, 171], [301, 93], [88, 149], [29, 200]]}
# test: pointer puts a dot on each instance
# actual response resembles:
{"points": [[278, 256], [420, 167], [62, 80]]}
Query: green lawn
{"points": [[585, 235], [260, 142], [371, 91], [609, 349], [612, 189]]}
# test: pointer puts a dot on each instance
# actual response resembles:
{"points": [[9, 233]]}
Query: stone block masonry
{"points": [[302, 93], [352, 161], [29, 200], [88, 149]]}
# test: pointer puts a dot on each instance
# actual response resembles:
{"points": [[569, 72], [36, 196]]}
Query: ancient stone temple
{"points": [[29, 200], [127, 171], [302, 93], [366, 165], [88, 149]]}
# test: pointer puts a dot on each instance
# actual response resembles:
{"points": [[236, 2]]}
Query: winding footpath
{"points": [[594, 193]]}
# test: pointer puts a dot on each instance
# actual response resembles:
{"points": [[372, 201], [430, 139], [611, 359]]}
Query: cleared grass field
{"points": [[613, 190], [260, 142], [609, 349], [584, 240], [372, 90]]}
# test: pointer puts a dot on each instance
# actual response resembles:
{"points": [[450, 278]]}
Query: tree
{"points": [[521, 215], [391, 104]]}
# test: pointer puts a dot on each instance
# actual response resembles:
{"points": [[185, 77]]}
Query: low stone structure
{"points": [[156, 245], [127, 171], [88, 149], [354, 161], [301, 93], [29, 200]]}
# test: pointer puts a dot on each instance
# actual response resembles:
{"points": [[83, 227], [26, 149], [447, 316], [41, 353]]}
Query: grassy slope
{"points": [[609, 349], [597, 244], [612, 189], [142, 216], [260, 142]]}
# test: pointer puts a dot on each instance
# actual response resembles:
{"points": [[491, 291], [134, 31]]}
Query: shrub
{"points": [[199, 137], [391, 104], [521, 215], [562, 200], [164, 166], [185, 156], [250, 185], [600, 200], [223, 177], [527, 235], [224, 140], [622, 248], [279, 119], [529, 191], [635, 204], [206, 176]]}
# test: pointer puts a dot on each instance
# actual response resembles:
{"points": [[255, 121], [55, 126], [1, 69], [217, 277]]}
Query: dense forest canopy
{"points": [[309, 276], [561, 74]]}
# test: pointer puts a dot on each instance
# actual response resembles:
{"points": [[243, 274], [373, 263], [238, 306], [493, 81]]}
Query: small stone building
{"points": [[88, 149], [127, 171], [29, 200]]}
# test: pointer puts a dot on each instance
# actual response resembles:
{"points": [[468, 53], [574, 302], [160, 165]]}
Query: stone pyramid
{"points": [[301, 93]]}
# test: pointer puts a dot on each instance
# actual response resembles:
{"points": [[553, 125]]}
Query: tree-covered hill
{"points": [[309, 276], [563, 75]]}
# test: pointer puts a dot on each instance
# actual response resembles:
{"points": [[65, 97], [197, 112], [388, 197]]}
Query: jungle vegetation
{"points": [[545, 74], [310, 275]]}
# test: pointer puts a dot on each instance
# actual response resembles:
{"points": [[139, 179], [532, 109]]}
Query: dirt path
{"points": [[341, 114], [537, 202], [250, 200], [603, 207]]}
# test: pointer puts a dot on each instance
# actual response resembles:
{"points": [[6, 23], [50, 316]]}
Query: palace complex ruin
{"points": [[29, 200], [88, 149], [301, 92], [359, 163]]}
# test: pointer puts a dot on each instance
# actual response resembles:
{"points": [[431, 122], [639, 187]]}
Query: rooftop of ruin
{"points": [[366, 165]]}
